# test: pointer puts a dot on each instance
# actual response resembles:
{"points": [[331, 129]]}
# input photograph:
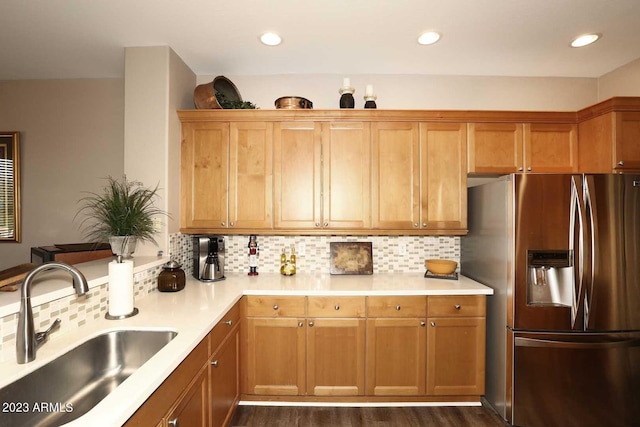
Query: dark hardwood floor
{"points": [[445, 416]]}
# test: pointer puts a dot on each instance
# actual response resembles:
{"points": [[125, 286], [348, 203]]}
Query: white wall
{"points": [[624, 81], [70, 139], [157, 83], [424, 91]]}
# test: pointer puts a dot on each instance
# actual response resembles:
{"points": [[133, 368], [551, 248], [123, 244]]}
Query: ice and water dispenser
{"points": [[550, 277]]}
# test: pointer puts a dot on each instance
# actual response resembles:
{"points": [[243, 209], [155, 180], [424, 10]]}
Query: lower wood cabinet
{"points": [[343, 347], [203, 390]]}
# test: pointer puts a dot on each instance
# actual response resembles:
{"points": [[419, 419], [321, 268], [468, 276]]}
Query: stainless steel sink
{"points": [[69, 386]]}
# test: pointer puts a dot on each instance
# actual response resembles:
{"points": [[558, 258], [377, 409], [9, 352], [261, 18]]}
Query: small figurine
{"points": [[253, 252]]}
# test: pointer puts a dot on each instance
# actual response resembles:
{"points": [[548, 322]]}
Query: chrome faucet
{"points": [[27, 340]]}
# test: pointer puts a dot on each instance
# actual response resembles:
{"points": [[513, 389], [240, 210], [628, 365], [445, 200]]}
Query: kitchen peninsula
{"points": [[196, 310]]}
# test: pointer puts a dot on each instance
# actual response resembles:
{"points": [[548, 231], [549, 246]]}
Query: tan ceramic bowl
{"points": [[440, 266]]}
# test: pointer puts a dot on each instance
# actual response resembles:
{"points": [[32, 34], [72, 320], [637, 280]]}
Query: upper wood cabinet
{"points": [[609, 143], [204, 175], [396, 175], [226, 175], [443, 171], [322, 175], [499, 148]]}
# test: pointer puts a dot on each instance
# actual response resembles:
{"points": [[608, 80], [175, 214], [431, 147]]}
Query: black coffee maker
{"points": [[208, 258]]}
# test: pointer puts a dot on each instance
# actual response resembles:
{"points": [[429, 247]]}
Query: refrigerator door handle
{"points": [[577, 210], [592, 254], [539, 342]]}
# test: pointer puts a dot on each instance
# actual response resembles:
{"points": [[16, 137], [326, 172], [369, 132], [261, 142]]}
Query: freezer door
{"points": [[576, 379], [612, 299]]}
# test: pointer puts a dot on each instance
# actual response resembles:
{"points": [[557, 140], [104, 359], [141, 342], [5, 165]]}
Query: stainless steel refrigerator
{"points": [[562, 253]]}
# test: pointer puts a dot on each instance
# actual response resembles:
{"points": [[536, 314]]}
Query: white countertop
{"points": [[198, 308]]}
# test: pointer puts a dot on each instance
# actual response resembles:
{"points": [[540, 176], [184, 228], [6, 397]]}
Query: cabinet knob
{"points": [[621, 163], [173, 423], [300, 324], [231, 224], [326, 224], [529, 168], [317, 224], [224, 224], [311, 324], [416, 225], [424, 225], [433, 324], [458, 306], [397, 308], [337, 307], [423, 324], [520, 169], [275, 307], [214, 363], [229, 322]]}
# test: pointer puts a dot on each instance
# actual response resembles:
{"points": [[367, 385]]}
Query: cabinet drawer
{"points": [[397, 306], [224, 326], [275, 306], [336, 306], [463, 305]]}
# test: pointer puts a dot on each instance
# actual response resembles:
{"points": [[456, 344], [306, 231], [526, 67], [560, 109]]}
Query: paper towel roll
{"points": [[120, 288]]}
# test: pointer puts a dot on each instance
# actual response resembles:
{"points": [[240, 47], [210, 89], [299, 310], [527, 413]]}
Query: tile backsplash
{"points": [[391, 254]]}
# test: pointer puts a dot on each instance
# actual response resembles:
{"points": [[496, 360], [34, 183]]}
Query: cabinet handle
{"points": [[337, 307], [311, 324], [275, 307], [397, 308], [423, 324], [300, 324], [229, 322], [621, 163], [224, 224], [458, 306], [214, 363], [173, 423], [433, 324]]}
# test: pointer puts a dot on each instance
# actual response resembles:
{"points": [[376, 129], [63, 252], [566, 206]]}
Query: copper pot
{"points": [[204, 95], [293, 102]]}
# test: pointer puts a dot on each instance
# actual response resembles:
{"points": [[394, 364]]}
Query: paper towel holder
{"points": [[123, 316]]}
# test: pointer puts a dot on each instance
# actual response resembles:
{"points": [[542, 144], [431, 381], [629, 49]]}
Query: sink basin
{"points": [[69, 386]]}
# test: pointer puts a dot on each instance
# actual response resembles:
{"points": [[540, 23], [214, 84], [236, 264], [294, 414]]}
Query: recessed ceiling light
{"points": [[585, 40], [271, 39], [430, 37]]}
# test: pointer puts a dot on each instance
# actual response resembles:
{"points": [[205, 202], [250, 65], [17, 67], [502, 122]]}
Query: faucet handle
{"points": [[41, 337]]}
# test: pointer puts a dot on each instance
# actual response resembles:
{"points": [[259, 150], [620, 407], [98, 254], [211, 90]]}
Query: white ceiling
{"points": [[85, 38]]}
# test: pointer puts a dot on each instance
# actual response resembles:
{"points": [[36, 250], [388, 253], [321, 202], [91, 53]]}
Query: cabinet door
{"points": [[297, 175], [551, 148], [276, 356], [396, 357], [396, 176], [204, 175], [335, 357], [595, 139], [627, 141], [443, 158], [495, 148], [346, 172], [251, 175], [455, 356], [193, 407], [225, 379]]}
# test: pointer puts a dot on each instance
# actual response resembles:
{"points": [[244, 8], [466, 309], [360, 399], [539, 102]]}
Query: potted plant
{"points": [[122, 214]]}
